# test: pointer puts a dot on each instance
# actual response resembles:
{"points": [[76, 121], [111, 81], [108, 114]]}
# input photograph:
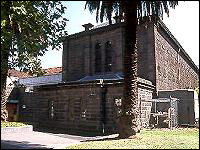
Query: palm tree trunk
{"points": [[129, 121]]}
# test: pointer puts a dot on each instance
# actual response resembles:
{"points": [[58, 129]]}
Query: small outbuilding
{"points": [[188, 105]]}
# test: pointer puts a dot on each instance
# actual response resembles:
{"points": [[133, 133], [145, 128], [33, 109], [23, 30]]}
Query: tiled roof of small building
{"points": [[54, 70], [16, 73], [20, 74]]}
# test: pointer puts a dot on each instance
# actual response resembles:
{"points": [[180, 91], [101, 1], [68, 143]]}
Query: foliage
{"points": [[187, 138], [105, 9], [28, 28], [12, 124]]}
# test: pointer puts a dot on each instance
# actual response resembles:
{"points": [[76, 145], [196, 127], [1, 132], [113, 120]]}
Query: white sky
{"points": [[183, 22]]}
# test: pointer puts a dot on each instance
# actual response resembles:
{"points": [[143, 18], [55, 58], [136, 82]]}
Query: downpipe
{"points": [[103, 106]]}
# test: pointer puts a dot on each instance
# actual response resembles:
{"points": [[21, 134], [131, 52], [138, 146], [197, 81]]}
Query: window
{"points": [[97, 57], [117, 106], [108, 56], [71, 109]]}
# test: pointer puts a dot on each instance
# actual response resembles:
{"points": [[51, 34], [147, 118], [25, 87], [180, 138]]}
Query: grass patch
{"points": [[12, 124], [182, 138]]}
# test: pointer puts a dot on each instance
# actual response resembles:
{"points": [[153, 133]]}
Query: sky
{"points": [[183, 23]]}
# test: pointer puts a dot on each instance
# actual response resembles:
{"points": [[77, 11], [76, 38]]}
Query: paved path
{"points": [[33, 140]]}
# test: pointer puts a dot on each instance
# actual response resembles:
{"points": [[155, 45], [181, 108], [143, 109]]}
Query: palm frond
{"points": [[104, 9]]}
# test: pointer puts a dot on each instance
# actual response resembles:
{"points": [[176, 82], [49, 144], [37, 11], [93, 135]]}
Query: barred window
{"points": [[97, 57], [108, 56]]}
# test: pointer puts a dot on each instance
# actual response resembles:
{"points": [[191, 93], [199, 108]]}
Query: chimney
{"points": [[87, 26]]}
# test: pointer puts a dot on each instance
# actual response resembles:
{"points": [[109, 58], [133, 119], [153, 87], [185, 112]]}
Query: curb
{"points": [[28, 128]]}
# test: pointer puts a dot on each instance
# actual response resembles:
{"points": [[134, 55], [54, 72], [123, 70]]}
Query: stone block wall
{"points": [[173, 69], [79, 51], [145, 92], [78, 107], [72, 108], [146, 53], [161, 59]]}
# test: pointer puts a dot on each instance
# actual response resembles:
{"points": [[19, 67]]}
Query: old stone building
{"points": [[90, 106], [89, 97], [99, 50]]}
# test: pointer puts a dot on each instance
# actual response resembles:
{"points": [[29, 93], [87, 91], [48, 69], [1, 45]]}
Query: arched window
{"points": [[108, 56], [97, 57]]}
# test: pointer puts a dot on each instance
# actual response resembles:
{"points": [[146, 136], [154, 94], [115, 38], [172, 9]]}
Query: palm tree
{"points": [[132, 12]]}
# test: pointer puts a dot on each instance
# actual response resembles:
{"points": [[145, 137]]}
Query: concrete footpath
{"points": [[41, 140]]}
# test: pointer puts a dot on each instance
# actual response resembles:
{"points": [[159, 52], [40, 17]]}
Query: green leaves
{"points": [[28, 28], [144, 8], [3, 23]]}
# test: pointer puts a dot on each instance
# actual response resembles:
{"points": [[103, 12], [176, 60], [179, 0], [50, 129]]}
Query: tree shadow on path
{"points": [[8, 144]]}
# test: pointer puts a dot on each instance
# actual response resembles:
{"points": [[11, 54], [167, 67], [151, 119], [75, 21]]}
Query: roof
{"points": [[20, 74], [111, 76], [42, 80], [51, 76], [106, 76], [55, 70], [16, 73], [13, 101]]}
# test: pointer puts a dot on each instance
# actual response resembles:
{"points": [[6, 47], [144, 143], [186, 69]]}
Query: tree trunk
{"points": [[4, 72], [129, 121], [5, 49]]}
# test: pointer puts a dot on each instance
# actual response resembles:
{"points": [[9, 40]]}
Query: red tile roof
{"points": [[49, 71], [54, 70], [16, 73]]}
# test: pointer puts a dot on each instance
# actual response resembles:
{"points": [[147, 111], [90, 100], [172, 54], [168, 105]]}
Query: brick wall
{"points": [[68, 106], [79, 52], [77, 107], [146, 53], [173, 69], [160, 58]]}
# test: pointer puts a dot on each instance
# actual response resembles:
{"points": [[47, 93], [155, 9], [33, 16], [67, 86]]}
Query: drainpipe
{"points": [[103, 105], [90, 55]]}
